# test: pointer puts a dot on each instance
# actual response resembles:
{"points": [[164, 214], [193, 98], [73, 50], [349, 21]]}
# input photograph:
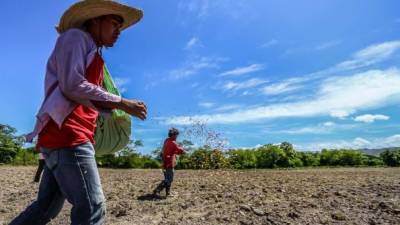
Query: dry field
{"points": [[309, 196]]}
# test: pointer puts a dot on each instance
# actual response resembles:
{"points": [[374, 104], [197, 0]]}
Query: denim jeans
{"points": [[167, 182], [72, 174], [168, 176]]}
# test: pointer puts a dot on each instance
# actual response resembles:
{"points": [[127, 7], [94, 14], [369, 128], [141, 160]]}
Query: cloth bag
{"points": [[112, 132]]}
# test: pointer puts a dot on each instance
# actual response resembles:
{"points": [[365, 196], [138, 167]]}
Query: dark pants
{"points": [[39, 170], [167, 182], [69, 173]]}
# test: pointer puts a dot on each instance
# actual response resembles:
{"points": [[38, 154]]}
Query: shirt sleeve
{"points": [[71, 52], [177, 149]]}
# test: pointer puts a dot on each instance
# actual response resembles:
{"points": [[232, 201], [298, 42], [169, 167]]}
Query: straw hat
{"points": [[80, 12]]}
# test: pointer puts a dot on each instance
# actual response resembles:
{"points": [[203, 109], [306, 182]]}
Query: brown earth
{"points": [[309, 196]]}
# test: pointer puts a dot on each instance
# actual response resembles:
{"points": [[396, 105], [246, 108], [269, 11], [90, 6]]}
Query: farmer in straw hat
{"points": [[67, 118]]}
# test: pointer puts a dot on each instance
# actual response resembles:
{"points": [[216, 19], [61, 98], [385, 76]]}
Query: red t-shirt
{"points": [[170, 150], [80, 125]]}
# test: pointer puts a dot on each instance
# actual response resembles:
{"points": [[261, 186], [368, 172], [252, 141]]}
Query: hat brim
{"points": [[80, 12]]}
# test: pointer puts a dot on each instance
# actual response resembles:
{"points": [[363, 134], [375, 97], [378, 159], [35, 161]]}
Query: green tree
{"points": [[351, 157], [288, 149], [10, 143], [128, 157], [200, 158], [269, 156], [25, 157], [242, 159], [329, 157], [391, 157], [371, 160], [157, 154], [217, 160], [309, 158], [130, 149]]}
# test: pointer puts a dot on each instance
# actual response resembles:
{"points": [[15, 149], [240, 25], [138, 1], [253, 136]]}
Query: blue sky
{"points": [[319, 74]]}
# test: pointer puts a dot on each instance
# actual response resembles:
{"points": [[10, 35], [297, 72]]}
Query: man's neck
{"points": [[97, 41], [173, 138], [96, 37]]}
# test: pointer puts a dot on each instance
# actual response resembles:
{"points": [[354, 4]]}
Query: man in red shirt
{"points": [[169, 152]]}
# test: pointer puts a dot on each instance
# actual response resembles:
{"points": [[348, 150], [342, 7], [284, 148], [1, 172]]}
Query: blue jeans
{"points": [[167, 182], [72, 174], [168, 176]]}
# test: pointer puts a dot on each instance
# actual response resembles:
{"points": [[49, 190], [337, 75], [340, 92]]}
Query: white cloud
{"points": [[304, 49], [329, 124], [368, 118], [194, 66], [228, 107], [270, 43], [205, 8], [279, 88], [290, 98], [198, 7], [323, 128], [392, 141], [327, 45], [206, 104], [234, 86], [340, 114], [361, 91], [361, 142], [192, 43], [243, 70], [320, 129], [356, 143], [370, 55]]}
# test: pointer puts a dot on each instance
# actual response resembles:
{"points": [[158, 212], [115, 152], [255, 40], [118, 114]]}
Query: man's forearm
{"points": [[110, 105], [132, 107]]}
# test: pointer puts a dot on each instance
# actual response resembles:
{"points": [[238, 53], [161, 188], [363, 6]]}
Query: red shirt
{"points": [[80, 125], [170, 150]]}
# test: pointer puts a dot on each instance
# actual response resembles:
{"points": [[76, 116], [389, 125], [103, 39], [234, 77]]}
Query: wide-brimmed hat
{"points": [[80, 12]]}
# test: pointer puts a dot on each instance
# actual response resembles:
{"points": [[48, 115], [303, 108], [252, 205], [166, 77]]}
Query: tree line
{"points": [[12, 151]]}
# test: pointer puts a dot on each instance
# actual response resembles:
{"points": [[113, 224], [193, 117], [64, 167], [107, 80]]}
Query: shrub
{"points": [[242, 159], [391, 157], [270, 156]]}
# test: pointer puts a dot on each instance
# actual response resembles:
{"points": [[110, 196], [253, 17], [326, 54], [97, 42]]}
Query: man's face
{"points": [[110, 29]]}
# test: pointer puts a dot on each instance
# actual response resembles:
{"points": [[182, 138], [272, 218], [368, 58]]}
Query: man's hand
{"points": [[134, 108]]}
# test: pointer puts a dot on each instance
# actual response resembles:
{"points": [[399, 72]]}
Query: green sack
{"points": [[112, 133]]}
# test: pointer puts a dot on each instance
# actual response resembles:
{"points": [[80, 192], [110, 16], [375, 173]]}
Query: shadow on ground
{"points": [[150, 197]]}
